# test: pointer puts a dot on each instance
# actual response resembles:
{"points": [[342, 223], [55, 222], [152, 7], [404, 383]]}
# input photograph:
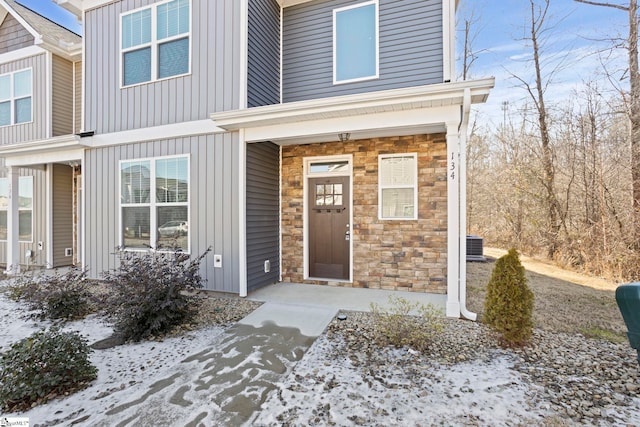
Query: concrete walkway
{"points": [[310, 308], [227, 383]]}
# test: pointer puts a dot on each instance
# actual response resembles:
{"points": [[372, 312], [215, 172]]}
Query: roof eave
{"points": [[405, 98]]}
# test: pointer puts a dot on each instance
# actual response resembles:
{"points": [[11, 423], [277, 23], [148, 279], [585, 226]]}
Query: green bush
{"points": [[509, 301], [406, 324], [152, 292], [56, 296], [42, 366]]}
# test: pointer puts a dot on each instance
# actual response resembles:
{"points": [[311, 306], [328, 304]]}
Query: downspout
{"points": [[462, 256]]}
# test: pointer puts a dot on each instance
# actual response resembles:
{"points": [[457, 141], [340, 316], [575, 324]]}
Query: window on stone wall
{"points": [[398, 186], [154, 201]]}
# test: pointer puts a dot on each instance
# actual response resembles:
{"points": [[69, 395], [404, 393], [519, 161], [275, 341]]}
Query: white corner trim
{"points": [[177, 130], [49, 216], [244, 52], [449, 39], [242, 215]]}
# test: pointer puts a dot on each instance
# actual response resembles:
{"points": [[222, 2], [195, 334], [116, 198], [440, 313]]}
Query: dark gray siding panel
{"points": [[13, 35], [263, 202], [37, 129], [212, 85], [62, 221], [263, 79], [410, 48], [214, 208]]}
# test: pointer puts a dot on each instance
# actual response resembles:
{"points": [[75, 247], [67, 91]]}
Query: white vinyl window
{"points": [[398, 186], [16, 98], [156, 42], [25, 208], [355, 42], [154, 203]]}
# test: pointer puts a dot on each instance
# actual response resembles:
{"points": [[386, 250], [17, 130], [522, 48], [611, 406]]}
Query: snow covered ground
{"points": [[323, 387]]}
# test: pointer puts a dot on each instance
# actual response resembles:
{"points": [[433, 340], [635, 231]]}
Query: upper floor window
{"points": [[355, 42], [15, 98], [155, 42], [398, 186]]}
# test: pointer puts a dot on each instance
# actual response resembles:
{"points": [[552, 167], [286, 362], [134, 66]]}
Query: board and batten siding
{"points": [[39, 219], [36, 129], [213, 194], [411, 52], [62, 209], [13, 35], [263, 214], [77, 97], [62, 96], [263, 73], [212, 85]]}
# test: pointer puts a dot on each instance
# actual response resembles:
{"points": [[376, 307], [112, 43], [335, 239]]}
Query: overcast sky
{"points": [[576, 32]]}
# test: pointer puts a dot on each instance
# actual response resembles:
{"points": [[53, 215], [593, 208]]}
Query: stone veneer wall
{"points": [[387, 254]]}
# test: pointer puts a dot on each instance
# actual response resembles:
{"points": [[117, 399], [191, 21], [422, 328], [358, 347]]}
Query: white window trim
{"points": [[414, 187], [377, 25], [22, 209], [152, 205], [153, 44], [12, 99]]}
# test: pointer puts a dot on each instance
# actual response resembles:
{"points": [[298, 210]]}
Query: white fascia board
{"points": [[395, 99], [73, 6], [69, 51], [60, 156], [41, 146], [177, 130], [19, 54], [287, 3], [369, 123]]}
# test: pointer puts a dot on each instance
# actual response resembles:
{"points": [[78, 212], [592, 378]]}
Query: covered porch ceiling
{"points": [[397, 112]]}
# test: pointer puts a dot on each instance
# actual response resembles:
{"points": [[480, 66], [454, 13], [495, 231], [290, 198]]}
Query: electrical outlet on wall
{"points": [[217, 261]]}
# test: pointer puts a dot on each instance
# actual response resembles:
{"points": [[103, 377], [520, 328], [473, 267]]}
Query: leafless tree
{"points": [[633, 101], [536, 91]]}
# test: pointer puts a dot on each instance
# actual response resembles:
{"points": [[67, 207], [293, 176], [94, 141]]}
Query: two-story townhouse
{"points": [[40, 86], [307, 141]]}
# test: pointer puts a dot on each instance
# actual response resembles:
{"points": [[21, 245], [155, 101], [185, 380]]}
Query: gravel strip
{"points": [[584, 381]]}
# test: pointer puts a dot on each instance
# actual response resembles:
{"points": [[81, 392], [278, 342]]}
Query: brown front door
{"points": [[329, 230]]}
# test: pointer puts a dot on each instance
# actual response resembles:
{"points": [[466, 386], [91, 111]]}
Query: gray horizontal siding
{"points": [[263, 214], [37, 129], [213, 84], [263, 81], [410, 48], [214, 214], [62, 97], [13, 35]]}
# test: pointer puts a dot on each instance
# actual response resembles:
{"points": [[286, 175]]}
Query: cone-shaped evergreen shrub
{"points": [[509, 301]]}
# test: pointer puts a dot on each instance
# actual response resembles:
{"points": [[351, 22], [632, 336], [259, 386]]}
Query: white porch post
{"points": [[453, 219], [13, 247]]}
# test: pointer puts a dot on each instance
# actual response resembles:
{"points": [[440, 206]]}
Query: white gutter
{"points": [[462, 256]]}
